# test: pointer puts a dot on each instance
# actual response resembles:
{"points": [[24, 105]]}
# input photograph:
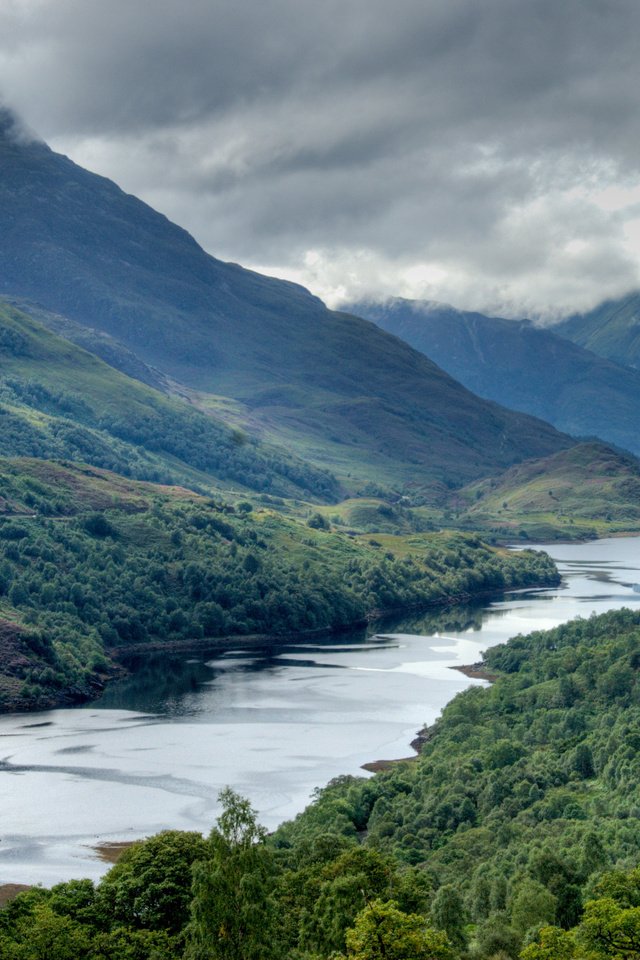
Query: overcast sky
{"points": [[480, 152]]}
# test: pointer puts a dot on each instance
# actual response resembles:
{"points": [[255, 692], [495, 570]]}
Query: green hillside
{"points": [[521, 366], [94, 341], [611, 329], [590, 490], [91, 563], [333, 387], [57, 400], [523, 798]]}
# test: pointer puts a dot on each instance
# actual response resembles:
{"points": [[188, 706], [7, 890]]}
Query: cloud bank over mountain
{"points": [[485, 154]]}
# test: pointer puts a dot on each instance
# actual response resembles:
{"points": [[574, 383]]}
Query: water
{"points": [[154, 752]]}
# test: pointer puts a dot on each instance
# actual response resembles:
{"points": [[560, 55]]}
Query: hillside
{"points": [[334, 387], [91, 563], [523, 797], [612, 329], [523, 367], [57, 400], [589, 490]]}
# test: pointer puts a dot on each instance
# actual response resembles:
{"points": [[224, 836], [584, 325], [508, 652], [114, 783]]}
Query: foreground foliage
{"points": [[523, 795]]}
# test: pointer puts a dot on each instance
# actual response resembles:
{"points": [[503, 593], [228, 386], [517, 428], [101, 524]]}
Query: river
{"points": [[274, 724]]}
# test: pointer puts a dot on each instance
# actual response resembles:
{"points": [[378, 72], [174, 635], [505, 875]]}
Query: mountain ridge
{"points": [[342, 393], [612, 329], [522, 366], [58, 400]]}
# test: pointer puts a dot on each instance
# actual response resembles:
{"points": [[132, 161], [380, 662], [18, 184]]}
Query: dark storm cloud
{"points": [[455, 149]]}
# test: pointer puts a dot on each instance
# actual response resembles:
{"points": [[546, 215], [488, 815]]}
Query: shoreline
{"points": [[422, 736], [118, 656], [256, 639], [475, 671]]}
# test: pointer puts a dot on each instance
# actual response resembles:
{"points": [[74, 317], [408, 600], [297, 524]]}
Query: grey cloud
{"points": [[450, 132]]}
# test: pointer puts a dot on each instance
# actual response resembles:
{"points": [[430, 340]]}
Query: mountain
{"points": [[611, 329], [336, 388], [59, 401], [521, 366]]}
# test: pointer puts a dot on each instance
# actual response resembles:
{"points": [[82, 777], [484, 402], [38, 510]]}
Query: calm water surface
{"points": [[154, 752]]}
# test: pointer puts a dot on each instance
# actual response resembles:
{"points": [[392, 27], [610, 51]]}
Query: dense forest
{"points": [[514, 834], [91, 564]]}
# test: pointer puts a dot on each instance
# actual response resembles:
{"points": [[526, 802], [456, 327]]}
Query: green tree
{"points": [[448, 914], [533, 906], [610, 930], [150, 885], [551, 944], [45, 935], [593, 855], [383, 932], [344, 885], [584, 761], [232, 914]]}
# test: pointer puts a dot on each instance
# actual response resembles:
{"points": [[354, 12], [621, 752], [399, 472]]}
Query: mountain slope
{"points": [[611, 329], [57, 400], [344, 393], [589, 490], [105, 347], [522, 367]]}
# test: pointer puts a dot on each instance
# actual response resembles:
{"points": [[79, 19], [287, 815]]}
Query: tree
{"points": [[593, 855], [98, 526], [583, 762], [551, 944], [44, 935], [383, 932], [232, 908], [533, 906], [448, 914], [344, 885], [610, 930], [318, 522], [149, 887]]}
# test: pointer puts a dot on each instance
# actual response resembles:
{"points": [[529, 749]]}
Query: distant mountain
{"points": [[337, 389], [611, 330], [521, 366]]}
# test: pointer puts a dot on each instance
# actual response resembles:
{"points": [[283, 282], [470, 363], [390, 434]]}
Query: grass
{"points": [[590, 490]]}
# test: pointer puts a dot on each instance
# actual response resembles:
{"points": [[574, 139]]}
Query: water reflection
{"points": [[169, 683]]}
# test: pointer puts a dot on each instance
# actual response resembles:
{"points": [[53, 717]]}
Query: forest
{"points": [[512, 835], [91, 564]]}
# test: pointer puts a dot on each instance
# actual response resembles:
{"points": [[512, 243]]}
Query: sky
{"points": [[484, 153]]}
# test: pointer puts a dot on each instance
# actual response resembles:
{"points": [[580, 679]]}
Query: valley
{"points": [[244, 539]]}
